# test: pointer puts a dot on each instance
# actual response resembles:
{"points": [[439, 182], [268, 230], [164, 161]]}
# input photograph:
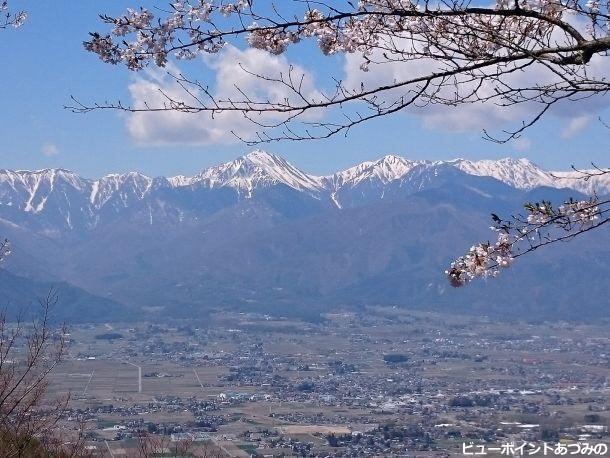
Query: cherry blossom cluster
{"points": [[585, 212], [572, 213], [482, 260], [5, 249], [180, 32], [542, 224], [198, 26], [9, 19]]}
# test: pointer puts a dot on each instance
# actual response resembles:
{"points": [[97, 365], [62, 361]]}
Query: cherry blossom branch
{"points": [[8, 19], [542, 225], [586, 175], [474, 50]]}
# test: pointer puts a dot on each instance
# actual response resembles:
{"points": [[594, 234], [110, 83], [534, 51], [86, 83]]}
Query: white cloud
{"points": [[576, 126], [172, 127], [49, 149], [460, 118], [471, 116]]}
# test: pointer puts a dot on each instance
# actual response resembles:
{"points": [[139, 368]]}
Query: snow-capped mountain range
{"points": [[259, 233], [33, 191]]}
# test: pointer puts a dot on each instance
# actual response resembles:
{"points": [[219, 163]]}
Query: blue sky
{"points": [[44, 63]]}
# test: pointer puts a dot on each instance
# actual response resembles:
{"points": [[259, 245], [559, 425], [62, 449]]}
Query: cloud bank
{"points": [[232, 68]]}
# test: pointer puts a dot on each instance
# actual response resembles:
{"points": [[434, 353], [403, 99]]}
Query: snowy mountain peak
{"points": [[390, 168], [48, 176], [260, 156], [519, 173], [179, 181], [257, 169], [385, 170], [127, 186], [30, 190]]}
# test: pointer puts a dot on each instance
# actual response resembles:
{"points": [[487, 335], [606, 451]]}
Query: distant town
{"points": [[379, 382]]}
